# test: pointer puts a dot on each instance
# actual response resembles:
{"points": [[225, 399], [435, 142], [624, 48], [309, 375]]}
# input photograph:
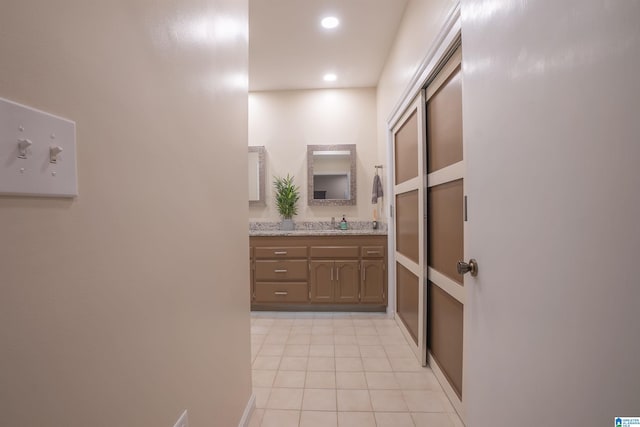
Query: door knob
{"points": [[471, 267]]}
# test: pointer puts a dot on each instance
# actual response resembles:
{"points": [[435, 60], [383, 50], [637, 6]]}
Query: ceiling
{"points": [[288, 48]]}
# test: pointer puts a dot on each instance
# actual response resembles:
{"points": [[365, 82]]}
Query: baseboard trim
{"points": [[248, 411]]}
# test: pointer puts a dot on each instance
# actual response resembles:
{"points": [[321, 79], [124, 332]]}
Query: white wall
{"points": [[285, 122], [551, 100], [420, 25], [129, 304]]}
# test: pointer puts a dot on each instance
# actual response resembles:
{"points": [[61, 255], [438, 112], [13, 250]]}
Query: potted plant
{"points": [[287, 196]]}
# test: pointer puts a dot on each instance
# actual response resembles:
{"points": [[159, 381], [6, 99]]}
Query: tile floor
{"points": [[340, 369]]}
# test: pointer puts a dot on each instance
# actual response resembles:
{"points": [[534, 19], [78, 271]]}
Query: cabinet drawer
{"points": [[334, 252], [281, 270], [280, 252], [281, 292], [372, 251]]}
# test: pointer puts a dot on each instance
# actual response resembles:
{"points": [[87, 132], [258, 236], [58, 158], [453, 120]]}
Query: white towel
{"points": [[377, 189]]}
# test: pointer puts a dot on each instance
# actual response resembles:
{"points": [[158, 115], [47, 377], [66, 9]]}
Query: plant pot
{"points": [[287, 224]]}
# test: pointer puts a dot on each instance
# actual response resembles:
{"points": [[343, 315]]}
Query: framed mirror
{"points": [[331, 179], [256, 176]]}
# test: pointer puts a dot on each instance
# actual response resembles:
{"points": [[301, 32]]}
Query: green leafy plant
{"points": [[287, 196]]}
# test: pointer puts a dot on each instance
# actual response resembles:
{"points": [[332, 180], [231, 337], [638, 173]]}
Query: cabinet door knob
{"points": [[281, 293], [279, 271], [471, 267]]}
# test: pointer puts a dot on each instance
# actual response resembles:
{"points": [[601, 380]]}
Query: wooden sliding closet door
{"points": [[445, 225], [409, 180]]}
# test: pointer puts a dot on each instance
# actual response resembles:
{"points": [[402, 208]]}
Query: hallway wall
{"points": [[421, 23], [129, 304]]}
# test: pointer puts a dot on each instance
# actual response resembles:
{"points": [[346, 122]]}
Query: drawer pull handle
{"points": [[281, 293], [372, 252], [280, 252], [279, 271]]}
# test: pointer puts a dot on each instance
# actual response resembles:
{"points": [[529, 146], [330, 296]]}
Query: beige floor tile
{"points": [[417, 380], [269, 363], [363, 339], [280, 418], [387, 401], [384, 330], [303, 322], [343, 321], [323, 320], [280, 330], [356, 419], [264, 322], [322, 339], [276, 338], [405, 365], [398, 351], [271, 350], [345, 339], [382, 381], [262, 396], [320, 380], [321, 364], [283, 322], [259, 330], [319, 400], [322, 330], [351, 380], [321, 350], [299, 339], [372, 351], [300, 330], [296, 350], [262, 378], [366, 330], [423, 419], [344, 330], [393, 339], [424, 401], [353, 400], [394, 419], [349, 364], [293, 363], [362, 321], [376, 364], [318, 419], [285, 398], [290, 379], [347, 350], [256, 418]]}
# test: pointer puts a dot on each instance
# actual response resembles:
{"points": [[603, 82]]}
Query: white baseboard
{"points": [[248, 411]]}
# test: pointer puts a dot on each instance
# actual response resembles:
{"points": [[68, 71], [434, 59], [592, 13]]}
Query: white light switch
{"points": [[37, 153]]}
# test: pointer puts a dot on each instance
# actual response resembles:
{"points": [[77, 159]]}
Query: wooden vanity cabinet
{"points": [[319, 272]]}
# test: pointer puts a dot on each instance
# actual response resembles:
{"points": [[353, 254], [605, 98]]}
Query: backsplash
{"points": [[314, 225]]}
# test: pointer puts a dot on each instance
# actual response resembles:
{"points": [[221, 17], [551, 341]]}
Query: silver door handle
{"points": [[332, 274], [337, 273], [280, 253], [471, 267], [280, 293], [279, 271]]}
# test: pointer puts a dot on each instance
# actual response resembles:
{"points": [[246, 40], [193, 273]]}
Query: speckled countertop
{"points": [[316, 228]]}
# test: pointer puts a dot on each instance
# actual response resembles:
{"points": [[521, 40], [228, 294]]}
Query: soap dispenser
{"points": [[343, 223]]}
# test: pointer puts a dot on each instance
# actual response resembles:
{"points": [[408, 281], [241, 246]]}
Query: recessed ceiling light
{"points": [[330, 77], [330, 22]]}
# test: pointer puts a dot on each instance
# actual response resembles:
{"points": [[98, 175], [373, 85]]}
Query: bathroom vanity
{"points": [[315, 270]]}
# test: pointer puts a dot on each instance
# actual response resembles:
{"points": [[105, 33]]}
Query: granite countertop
{"points": [[316, 228]]}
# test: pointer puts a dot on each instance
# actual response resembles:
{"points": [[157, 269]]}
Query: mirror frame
{"points": [[352, 182], [261, 175]]}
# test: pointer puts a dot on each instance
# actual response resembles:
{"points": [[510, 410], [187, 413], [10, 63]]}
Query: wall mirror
{"points": [[256, 176], [331, 177]]}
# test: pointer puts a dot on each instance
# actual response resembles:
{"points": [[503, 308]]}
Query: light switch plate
{"points": [[183, 421], [36, 170]]}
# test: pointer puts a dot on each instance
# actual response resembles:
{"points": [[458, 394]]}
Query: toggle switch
{"points": [[23, 145], [53, 153]]}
